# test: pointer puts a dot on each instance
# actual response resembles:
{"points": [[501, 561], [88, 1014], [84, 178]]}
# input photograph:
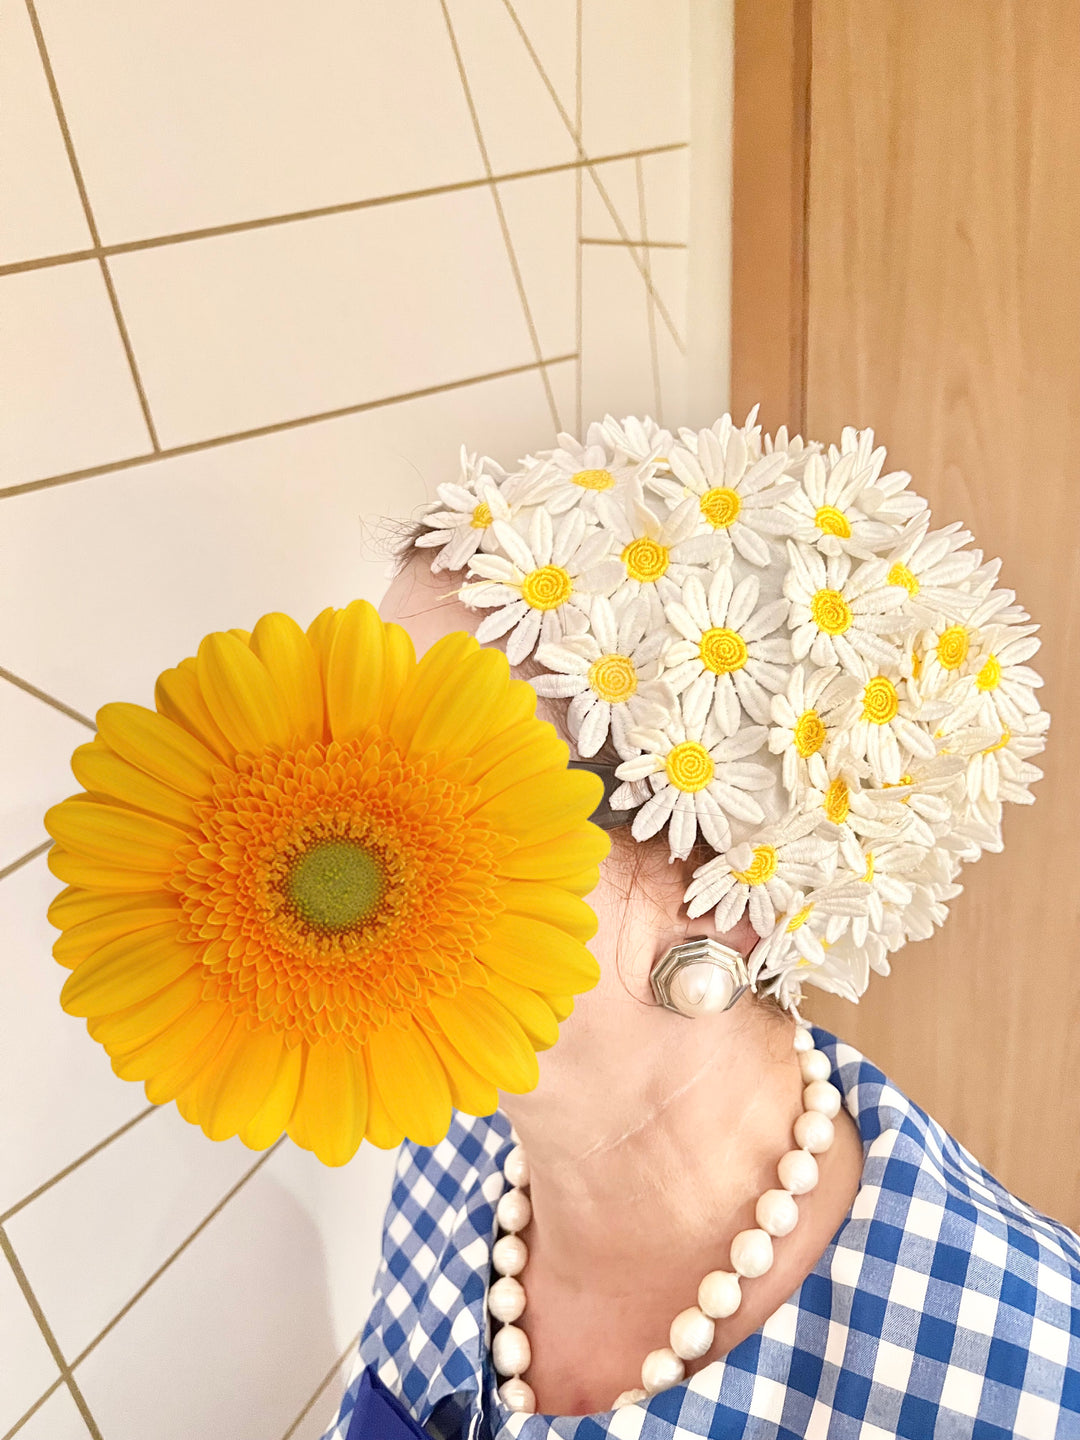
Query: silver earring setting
{"points": [[699, 977]]}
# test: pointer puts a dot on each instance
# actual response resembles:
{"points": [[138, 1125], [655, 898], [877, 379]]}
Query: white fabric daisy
{"points": [[737, 496], [655, 553], [729, 659], [797, 449], [576, 475], [462, 516], [857, 814], [932, 566], [760, 878], [804, 723], [539, 588], [845, 504], [637, 439], [882, 726], [700, 780], [998, 688], [610, 673], [840, 616]]}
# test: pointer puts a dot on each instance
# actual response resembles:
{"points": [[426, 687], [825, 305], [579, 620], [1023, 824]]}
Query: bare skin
{"points": [[649, 1136]]}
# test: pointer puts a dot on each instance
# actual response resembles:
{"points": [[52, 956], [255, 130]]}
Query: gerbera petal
{"points": [[551, 904], [469, 1091], [452, 718], [171, 1060], [79, 941], [528, 1007], [574, 853], [127, 970], [538, 955], [127, 1029], [271, 1118], [293, 667], [381, 1129], [543, 811], [240, 694], [78, 870], [114, 835], [158, 746], [366, 665], [480, 1026], [179, 698], [237, 1081], [101, 770], [330, 1112]]}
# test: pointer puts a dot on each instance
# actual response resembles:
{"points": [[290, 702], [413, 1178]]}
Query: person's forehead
{"points": [[425, 605]]}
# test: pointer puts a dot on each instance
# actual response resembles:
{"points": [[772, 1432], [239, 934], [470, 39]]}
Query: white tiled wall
{"points": [[262, 269]]}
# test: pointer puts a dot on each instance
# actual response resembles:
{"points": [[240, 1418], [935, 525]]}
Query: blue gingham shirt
{"points": [[944, 1308]]}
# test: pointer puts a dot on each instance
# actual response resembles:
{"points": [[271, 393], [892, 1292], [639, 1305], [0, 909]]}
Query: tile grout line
{"points": [[25, 859], [579, 193], [25, 685], [203, 1223], [511, 254], [80, 185], [347, 207], [638, 244], [575, 135], [323, 1385], [277, 427], [74, 1165], [650, 308], [47, 1334], [34, 1408]]}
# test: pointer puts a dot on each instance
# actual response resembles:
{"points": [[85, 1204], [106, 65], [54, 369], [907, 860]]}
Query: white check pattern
{"points": [[944, 1308]]}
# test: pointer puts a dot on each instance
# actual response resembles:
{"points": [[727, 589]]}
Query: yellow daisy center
{"points": [[837, 801], [916, 664], [689, 766], [481, 516], [880, 701], [989, 677], [645, 559], [831, 612], [868, 874], [809, 733], [952, 647], [547, 588], [1006, 736], [593, 479], [799, 919], [723, 650], [721, 507], [831, 521], [761, 868], [901, 575], [613, 678]]}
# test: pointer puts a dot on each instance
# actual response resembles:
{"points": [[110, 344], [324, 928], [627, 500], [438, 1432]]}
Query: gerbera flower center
{"points": [[837, 801], [989, 677], [335, 884], [761, 868], [831, 521], [901, 575], [723, 650], [831, 612], [689, 766], [593, 479], [881, 703], [613, 678], [481, 516], [645, 559], [952, 647], [720, 507], [809, 733], [799, 919], [547, 588]]}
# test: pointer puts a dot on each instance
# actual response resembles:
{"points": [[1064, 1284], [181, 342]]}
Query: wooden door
{"points": [[907, 256]]}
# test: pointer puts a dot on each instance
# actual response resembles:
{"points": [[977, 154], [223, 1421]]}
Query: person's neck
{"points": [[623, 1138]]}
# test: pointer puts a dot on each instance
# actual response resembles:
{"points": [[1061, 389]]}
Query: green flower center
{"points": [[335, 884]]}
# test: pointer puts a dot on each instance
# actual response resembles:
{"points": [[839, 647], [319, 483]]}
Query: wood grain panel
{"points": [[944, 310]]}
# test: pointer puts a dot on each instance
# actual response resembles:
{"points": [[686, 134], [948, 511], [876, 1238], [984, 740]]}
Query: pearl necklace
{"points": [[719, 1294]]}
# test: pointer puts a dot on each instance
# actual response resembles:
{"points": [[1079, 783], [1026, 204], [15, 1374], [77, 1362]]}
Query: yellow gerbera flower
{"points": [[324, 888]]}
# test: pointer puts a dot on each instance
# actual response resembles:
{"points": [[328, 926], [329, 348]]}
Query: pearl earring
{"points": [[699, 977]]}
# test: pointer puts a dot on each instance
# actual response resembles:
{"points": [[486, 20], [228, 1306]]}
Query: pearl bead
{"points": [[629, 1397], [719, 1294], [692, 1334], [822, 1096], [814, 1132], [510, 1350], [701, 988], [776, 1212], [506, 1298], [814, 1066], [516, 1166], [751, 1253], [803, 1039], [517, 1394], [514, 1210], [510, 1255], [660, 1369], [798, 1172]]}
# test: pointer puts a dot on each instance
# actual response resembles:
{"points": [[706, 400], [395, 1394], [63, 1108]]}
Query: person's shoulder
{"points": [[433, 1180]]}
